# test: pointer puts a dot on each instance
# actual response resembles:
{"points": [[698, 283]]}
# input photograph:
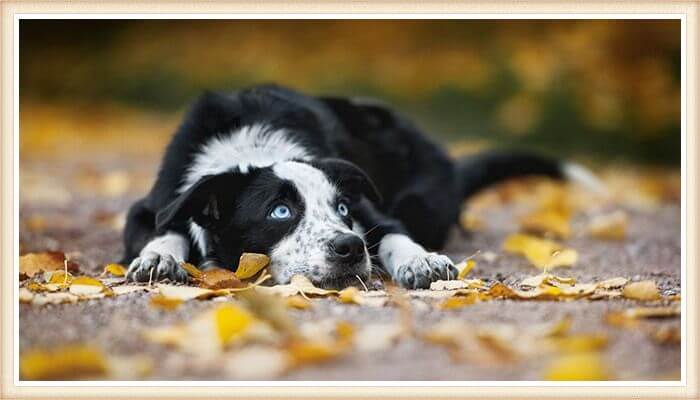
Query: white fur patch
{"points": [[250, 146], [396, 249], [304, 250], [171, 243]]}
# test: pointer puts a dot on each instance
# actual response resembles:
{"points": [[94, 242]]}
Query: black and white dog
{"points": [[325, 186]]}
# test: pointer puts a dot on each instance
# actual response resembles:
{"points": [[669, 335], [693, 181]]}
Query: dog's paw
{"points": [[156, 267], [419, 271]]}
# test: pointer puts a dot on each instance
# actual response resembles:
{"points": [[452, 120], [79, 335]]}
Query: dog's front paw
{"points": [[154, 266], [419, 271]]}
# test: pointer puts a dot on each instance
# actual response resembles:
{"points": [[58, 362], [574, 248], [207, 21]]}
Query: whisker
{"points": [[371, 229], [363, 284]]}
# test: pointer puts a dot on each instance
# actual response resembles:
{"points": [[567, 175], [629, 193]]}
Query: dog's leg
{"points": [[408, 263], [161, 259]]}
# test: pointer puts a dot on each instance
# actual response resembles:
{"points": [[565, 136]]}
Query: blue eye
{"points": [[281, 212], [343, 209]]}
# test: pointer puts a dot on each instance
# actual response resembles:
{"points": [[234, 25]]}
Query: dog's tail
{"points": [[482, 170]]}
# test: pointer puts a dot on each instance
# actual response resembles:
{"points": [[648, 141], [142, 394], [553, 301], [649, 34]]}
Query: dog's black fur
{"points": [[402, 182]]}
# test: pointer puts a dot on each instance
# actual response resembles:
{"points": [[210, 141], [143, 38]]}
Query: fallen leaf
{"points": [[126, 289], [129, 368], [58, 278], [250, 264], [302, 353], [219, 278], [352, 295], [667, 335], [377, 337], [548, 221], [54, 298], [231, 322], [613, 283], [644, 290], [184, 293], [469, 221], [465, 267], [85, 286], [33, 263], [609, 227], [165, 303], [653, 312], [298, 302], [115, 269], [542, 253], [578, 343], [299, 284], [25, 295], [192, 270], [257, 363], [459, 301], [62, 363], [587, 366], [501, 290], [457, 284]]}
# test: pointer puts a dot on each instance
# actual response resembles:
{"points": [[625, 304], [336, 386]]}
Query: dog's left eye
{"points": [[281, 211], [343, 209]]}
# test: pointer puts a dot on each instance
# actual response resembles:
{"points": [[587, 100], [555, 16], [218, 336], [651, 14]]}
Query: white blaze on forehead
{"points": [[250, 146], [312, 184]]}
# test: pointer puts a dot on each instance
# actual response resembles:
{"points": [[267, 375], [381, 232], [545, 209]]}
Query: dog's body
{"points": [[322, 185]]}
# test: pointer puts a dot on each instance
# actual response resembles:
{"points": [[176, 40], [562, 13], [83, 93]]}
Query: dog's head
{"points": [[299, 213]]}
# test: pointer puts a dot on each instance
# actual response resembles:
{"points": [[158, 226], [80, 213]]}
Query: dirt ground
{"points": [[77, 206]]}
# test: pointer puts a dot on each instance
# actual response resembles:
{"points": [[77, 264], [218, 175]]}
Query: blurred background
{"points": [[601, 90]]}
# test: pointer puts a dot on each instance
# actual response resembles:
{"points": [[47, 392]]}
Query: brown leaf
{"points": [[542, 253], [250, 264], [219, 278], [33, 263], [192, 270], [609, 227], [644, 290], [299, 285]]}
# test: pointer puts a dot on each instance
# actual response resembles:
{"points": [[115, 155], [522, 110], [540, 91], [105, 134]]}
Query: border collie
{"points": [[327, 187]]}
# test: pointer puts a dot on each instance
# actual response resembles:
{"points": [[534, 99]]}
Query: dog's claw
{"points": [[421, 270], [156, 267]]}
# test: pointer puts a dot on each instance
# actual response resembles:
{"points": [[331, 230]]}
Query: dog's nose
{"points": [[347, 248]]}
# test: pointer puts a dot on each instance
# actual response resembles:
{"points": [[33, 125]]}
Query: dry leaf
{"points": [[587, 366], [469, 221], [578, 343], [165, 303], [298, 302], [377, 337], [667, 335], [192, 270], [644, 290], [609, 227], [613, 283], [33, 263], [58, 278], [460, 301], [501, 290], [352, 295], [548, 221], [54, 298], [299, 285], [652, 312], [115, 269], [465, 267], [219, 278], [25, 295], [542, 253], [126, 289], [63, 363], [250, 264], [257, 363], [184, 293], [456, 284], [86, 286]]}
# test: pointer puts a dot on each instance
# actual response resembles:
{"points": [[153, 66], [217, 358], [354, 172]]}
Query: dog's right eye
{"points": [[281, 211]]}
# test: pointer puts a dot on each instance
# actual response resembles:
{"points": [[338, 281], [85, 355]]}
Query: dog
{"points": [[328, 187]]}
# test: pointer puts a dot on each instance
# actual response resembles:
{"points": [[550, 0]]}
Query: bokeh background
{"points": [[602, 90]]}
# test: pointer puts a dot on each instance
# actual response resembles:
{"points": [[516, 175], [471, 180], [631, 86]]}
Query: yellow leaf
{"points": [[307, 352], [250, 264], [587, 366], [60, 278], [464, 268], [470, 221], [231, 322], [460, 301], [192, 270], [542, 253], [547, 221], [609, 227], [298, 302], [299, 285], [579, 343], [165, 303], [85, 285], [115, 269], [644, 290], [63, 363], [613, 283], [501, 290]]}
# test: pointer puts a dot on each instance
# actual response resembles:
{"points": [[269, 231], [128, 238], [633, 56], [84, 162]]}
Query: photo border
{"points": [[687, 11]]}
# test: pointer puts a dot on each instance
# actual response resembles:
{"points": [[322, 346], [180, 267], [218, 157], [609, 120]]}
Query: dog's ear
{"points": [[349, 177], [208, 202], [360, 116]]}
